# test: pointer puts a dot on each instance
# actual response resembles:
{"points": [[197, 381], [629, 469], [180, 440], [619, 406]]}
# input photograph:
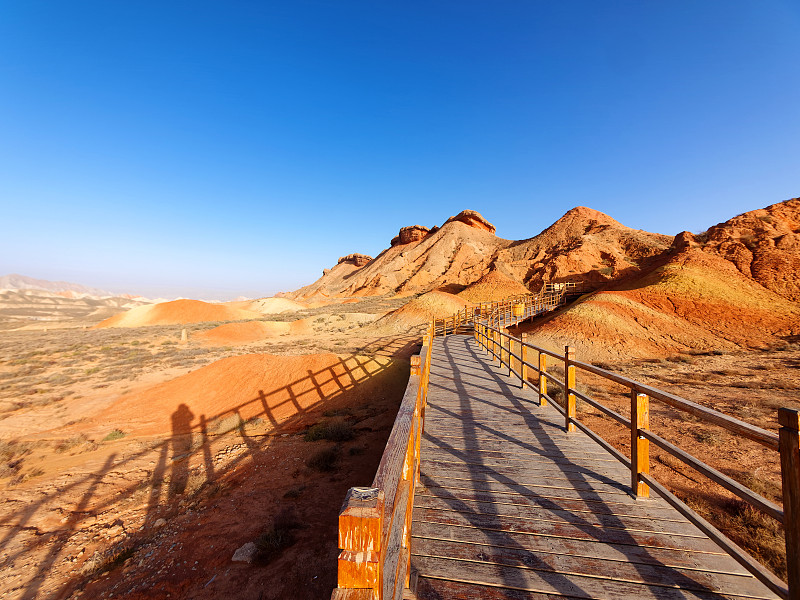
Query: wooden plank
{"points": [[524, 481], [438, 589], [534, 460], [684, 579], [673, 557], [529, 490], [557, 514], [568, 530], [654, 510], [579, 586], [493, 449], [566, 470]]}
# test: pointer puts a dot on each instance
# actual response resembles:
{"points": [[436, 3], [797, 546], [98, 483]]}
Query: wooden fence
{"points": [[375, 522], [516, 354], [504, 313]]}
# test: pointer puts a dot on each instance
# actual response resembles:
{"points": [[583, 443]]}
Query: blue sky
{"points": [[212, 149]]}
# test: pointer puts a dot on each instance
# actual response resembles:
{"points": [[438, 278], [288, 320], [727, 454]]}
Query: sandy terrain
{"points": [[135, 465]]}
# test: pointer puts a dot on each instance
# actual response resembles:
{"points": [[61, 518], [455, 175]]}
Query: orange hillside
{"points": [[492, 287], [273, 388], [421, 310], [177, 312], [252, 331]]}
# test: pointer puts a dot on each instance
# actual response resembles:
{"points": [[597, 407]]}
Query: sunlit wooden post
{"points": [[789, 445], [415, 363], [542, 379], [569, 385], [640, 447], [523, 368], [511, 348], [360, 528]]}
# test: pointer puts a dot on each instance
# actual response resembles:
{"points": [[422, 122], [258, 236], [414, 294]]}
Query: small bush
{"points": [[116, 434], [324, 460], [278, 537], [333, 431], [294, 492]]}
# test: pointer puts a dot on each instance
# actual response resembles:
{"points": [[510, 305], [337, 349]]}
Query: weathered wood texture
{"points": [[509, 505]]}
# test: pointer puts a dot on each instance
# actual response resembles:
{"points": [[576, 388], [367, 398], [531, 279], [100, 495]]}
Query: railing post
{"points": [[510, 355], [360, 530], [523, 368], [569, 385], [789, 445], [542, 379], [640, 447], [415, 363]]}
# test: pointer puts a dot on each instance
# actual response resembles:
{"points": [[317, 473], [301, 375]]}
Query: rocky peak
{"points": [[359, 260], [412, 233], [472, 218]]}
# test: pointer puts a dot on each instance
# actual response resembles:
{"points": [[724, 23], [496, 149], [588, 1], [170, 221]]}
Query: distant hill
{"points": [[21, 282]]}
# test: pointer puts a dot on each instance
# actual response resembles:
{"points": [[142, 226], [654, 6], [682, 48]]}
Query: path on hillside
{"points": [[511, 506]]}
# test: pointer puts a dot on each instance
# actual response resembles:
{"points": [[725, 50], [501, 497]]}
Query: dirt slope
{"points": [[273, 388], [764, 244], [493, 286], [177, 312], [420, 311], [232, 334], [696, 301], [458, 253], [583, 245]]}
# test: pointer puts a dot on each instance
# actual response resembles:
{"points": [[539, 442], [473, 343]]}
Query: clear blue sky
{"points": [[212, 149]]}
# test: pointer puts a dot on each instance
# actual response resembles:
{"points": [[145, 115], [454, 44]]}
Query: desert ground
{"points": [[114, 485]]}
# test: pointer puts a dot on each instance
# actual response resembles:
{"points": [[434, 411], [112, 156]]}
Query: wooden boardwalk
{"points": [[511, 506]]}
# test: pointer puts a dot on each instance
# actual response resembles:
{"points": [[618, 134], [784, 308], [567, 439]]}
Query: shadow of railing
{"points": [[286, 409]]}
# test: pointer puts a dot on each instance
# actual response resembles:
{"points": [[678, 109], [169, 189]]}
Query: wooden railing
{"points": [[514, 353], [375, 522], [503, 313]]}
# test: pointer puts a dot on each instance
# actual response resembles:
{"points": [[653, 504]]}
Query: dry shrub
{"points": [[337, 430], [279, 536], [756, 532], [324, 460]]}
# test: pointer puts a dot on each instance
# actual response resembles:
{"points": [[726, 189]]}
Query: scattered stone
{"points": [[159, 523], [246, 553]]}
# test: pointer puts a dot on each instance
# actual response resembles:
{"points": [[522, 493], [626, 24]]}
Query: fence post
{"points": [[640, 447], [569, 385], [360, 530], [542, 379], [789, 444], [511, 345], [523, 368]]}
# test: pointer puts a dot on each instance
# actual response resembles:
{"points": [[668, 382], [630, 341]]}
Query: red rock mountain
{"points": [[734, 286]]}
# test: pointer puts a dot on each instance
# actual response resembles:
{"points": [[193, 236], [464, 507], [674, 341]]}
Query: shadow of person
{"points": [[181, 448]]}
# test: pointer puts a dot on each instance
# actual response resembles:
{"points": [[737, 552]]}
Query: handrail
{"points": [[511, 310], [787, 442], [375, 522]]}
